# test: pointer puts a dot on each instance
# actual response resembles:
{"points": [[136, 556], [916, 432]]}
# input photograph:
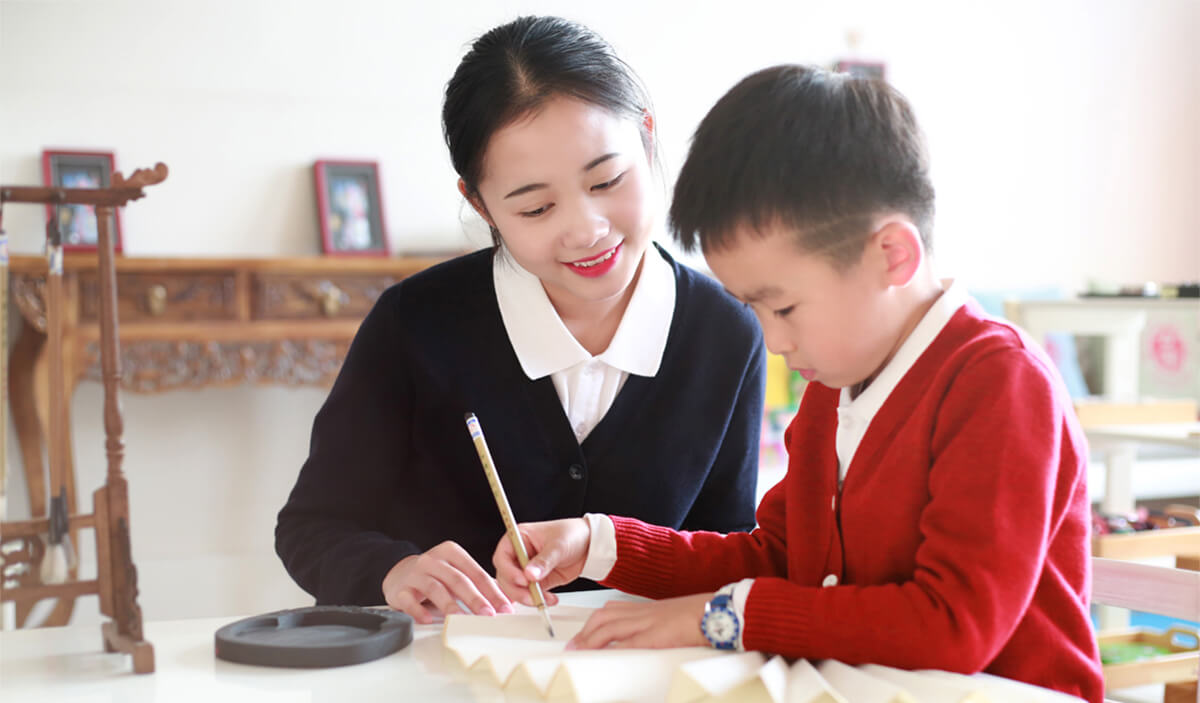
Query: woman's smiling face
{"points": [[569, 189]]}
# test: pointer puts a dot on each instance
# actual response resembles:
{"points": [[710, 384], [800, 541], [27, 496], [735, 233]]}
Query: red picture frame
{"points": [[350, 208], [77, 168]]}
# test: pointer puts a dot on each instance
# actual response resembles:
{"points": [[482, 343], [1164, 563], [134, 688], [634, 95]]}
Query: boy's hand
{"points": [[674, 622], [442, 576], [557, 550]]}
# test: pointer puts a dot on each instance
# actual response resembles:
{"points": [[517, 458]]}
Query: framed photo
{"points": [[350, 208], [861, 69], [80, 169]]}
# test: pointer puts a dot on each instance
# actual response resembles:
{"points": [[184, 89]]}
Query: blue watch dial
{"points": [[720, 624]]}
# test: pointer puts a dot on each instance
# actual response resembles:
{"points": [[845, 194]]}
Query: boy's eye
{"points": [[784, 312], [539, 211], [609, 184]]}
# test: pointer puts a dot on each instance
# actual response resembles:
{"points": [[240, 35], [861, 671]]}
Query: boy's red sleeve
{"points": [[658, 562], [1005, 474]]}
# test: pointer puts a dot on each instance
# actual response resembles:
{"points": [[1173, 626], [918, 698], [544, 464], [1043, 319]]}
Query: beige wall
{"points": [[1063, 137]]}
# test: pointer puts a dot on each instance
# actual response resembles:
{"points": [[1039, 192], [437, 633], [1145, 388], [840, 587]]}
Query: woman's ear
{"points": [[476, 203], [902, 250]]}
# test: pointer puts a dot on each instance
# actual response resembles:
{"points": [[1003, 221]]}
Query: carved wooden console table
{"points": [[187, 323]]}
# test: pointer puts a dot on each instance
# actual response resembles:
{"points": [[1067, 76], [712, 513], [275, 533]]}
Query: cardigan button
{"points": [[830, 580], [575, 471]]}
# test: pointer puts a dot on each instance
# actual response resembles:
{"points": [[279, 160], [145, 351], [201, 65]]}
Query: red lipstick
{"points": [[597, 265]]}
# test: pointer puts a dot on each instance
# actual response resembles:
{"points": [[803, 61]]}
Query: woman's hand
{"points": [[557, 550], [442, 576], [674, 622]]}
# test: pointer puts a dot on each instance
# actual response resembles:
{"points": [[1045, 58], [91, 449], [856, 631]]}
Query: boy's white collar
{"points": [[953, 297]]}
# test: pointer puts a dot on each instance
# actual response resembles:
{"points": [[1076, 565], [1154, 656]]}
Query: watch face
{"points": [[720, 626]]}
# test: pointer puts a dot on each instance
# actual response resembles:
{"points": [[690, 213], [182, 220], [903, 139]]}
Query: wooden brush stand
{"points": [[23, 549]]}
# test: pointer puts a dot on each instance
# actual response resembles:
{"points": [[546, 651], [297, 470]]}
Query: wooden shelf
{"points": [[1171, 542], [1179, 665]]}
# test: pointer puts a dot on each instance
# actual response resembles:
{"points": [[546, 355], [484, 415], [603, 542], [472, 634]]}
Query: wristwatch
{"points": [[721, 624]]}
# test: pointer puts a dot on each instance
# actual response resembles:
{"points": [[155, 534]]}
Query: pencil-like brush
{"points": [[546, 618], [510, 523]]}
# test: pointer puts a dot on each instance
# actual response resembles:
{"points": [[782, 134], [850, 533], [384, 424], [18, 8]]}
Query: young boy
{"points": [[934, 514]]}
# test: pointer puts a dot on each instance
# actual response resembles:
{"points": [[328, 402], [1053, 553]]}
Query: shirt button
{"points": [[575, 471], [830, 580], [833, 503]]}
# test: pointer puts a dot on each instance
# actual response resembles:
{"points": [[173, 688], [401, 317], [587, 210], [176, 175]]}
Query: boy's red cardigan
{"points": [[960, 538]]}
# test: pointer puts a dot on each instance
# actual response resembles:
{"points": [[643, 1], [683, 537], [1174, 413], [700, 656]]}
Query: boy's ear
{"points": [[903, 253], [476, 202]]}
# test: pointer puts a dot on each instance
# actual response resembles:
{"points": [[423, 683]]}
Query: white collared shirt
{"points": [[586, 384], [855, 415]]}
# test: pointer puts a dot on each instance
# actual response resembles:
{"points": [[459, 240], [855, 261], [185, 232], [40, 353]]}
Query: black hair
{"points": [[816, 152], [515, 69]]}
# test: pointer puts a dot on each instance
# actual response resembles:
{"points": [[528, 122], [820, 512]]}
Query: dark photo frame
{"points": [[350, 208], [62, 168]]}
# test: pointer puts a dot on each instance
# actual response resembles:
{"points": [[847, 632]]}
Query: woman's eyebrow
{"points": [[599, 160], [524, 189], [537, 186]]}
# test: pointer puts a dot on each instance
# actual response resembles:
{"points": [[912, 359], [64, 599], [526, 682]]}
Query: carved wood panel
{"points": [[294, 297], [154, 366], [176, 297], [29, 294]]}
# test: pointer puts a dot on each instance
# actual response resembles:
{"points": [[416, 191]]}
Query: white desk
{"points": [[68, 664], [1118, 445]]}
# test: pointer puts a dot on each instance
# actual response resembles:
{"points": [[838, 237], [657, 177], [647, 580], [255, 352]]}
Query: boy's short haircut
{"points": [[819, 153]]}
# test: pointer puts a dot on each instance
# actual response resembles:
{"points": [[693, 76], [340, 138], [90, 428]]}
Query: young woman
{"points": [[607, 377]]}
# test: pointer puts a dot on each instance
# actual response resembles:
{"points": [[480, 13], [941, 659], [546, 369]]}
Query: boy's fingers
{"points": [[509, 570], [515, 593], [604, 626], [505, 559], [544, 563], [605, 633]]}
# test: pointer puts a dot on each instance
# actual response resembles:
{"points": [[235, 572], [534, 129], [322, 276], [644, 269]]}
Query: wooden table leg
{"points": [[1119, 459]]}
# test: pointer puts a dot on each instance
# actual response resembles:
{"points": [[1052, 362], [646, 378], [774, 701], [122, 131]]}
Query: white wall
{"points": [[1063, 137]]}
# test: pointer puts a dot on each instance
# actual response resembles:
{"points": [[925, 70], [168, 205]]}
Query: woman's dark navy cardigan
{"points": [[392, 470]]}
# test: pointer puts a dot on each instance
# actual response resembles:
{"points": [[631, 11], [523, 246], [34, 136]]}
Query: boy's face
{"points": [[834, 327]]}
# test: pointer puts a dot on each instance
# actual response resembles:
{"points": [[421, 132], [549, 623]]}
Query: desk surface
{"points": [[68, 663]]}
